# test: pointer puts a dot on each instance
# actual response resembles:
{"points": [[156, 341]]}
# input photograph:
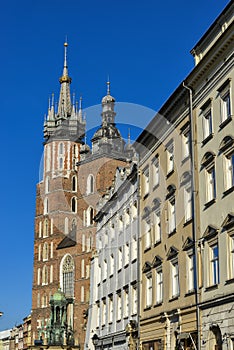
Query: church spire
{"points": [[64, 106]]}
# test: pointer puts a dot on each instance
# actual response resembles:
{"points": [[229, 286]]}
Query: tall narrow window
{"points": [[145, 181], [73, 204], [66, 223], [120, 258], [225, 102], [170, 156], [207, 124], [175, 290], [46, 206], [214, 264], [231, 257], [45, 275], [51, 274], [39, 252], [190, 272], [90, 216], [210, 181], [82, 268], [134, 299], [171, 216], [157, 221], [38, 276], [45, 228], [188, 202], [112, 264], [210, 184], [229, 173], [67, 270], [149, 292], [155, 171], [119, 306], [90, 184], [126, 303], [104, 276], [74, 183], [147, 233], [45, 253], [110, 309], [61, 156], [82, 294], [159, 285], [47, 185]]}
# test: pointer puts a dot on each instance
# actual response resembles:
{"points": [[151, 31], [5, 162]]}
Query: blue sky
{"points": [[145, 48]]}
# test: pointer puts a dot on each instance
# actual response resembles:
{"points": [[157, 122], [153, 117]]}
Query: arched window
{"points": [[208, 164], [45, 228], [45, 253], [90, 184], [74, 183], [45, 275], [90, 216], [61, 156], [46, 206], [73, 204], [67, 275], [47, 185]]}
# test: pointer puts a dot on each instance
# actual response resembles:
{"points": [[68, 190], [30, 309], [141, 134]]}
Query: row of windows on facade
{"points": [[152, 218], [123, 218], [74, 182], [151, 175], [211, 270], [43, 301], [117, 306], [45, 275], [116, 261], [59, 155], [43, 229], [223, 108], [226, 158]]}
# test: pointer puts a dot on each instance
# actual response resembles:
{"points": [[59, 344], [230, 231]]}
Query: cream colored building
{"points": [[213, 103], [168, 294], [187, 266]]}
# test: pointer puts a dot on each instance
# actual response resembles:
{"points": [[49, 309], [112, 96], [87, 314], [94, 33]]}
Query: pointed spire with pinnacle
{"points": [[64, 106]]}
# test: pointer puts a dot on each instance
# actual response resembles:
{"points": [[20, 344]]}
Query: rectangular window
{"points": [[225, 106], [104, 270], [188, 202], [134, 248], [145, 182], [147, 234], [159, 286], [110, 309], [229, 173], [175, 279], [126, 251], [214, 264], [170, 157], [210, 184], [104, 312], [185, 145], [119, 306], [149, 292], [134, 300], [126, 302], [120, 259], [157, 226], [207, 124], [190, 273], [171, 216], [231, 257], [155, 172], [112, 264]]}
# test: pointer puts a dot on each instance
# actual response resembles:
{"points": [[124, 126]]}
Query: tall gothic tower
{"points": [[74, 178]]}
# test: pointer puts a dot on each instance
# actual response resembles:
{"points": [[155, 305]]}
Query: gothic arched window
{"points": [[67, 271], [90, 184]]}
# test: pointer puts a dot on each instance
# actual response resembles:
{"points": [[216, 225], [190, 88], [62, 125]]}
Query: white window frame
{"points": [[187, 202], [175, 281], [156, 172], [145, 181], [149, 291], [170, 157], [159, 285]]}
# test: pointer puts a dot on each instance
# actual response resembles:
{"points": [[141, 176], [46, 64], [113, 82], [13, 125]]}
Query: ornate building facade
{"points": [[74, 177]]}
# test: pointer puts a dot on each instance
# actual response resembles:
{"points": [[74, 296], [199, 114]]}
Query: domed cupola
{"points": [[107, 137]]}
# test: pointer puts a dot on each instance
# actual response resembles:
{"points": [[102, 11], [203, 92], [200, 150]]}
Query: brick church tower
{"points": [[74, 177]]}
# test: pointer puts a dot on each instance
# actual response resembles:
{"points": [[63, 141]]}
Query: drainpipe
{"points": [[194, 222], [138, 255]]}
